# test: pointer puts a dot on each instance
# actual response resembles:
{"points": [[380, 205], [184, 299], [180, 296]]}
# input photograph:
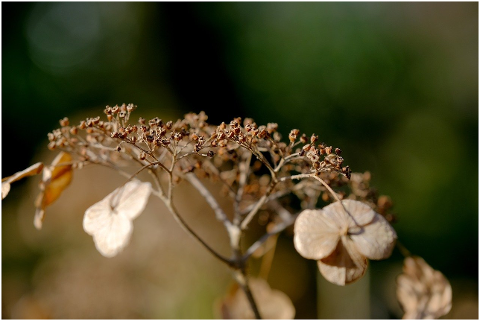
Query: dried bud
{"points": [[73, 130], [210, 153], [169, 125], [293, 135], [338, 151], [313, 139], [64, 122], [307, 147], [52, 145], [82, 125], [328, 150], [303, 139], [131, 107]]}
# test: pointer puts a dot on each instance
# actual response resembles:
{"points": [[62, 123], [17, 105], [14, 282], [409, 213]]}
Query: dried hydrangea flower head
{"points": [[342, 237], [110, 220], [273, 304], [423, 292]]}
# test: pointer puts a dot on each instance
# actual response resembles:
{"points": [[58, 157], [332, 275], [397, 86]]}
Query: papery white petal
{"points": [[131, 199], [345, 265], [376, 240], [110, 220], [316, 235], [96, 215], [112, 235]]}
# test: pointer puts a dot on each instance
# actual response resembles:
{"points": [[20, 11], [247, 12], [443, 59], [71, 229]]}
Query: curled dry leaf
{"points": [[272, 304], [110, 220], [30, 171], [341, 238], [423, 292], [55, 179]]}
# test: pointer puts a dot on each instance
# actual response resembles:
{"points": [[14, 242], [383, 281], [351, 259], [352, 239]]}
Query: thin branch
{"points": [[277, 229], [219, 213], [257, 206], [215, 171], [243, 168], [241, 278], [189, 230]]}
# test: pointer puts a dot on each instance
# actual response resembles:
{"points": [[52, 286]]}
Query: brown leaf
{"points": [[55, 180]]}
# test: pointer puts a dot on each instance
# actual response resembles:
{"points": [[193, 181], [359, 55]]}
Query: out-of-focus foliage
{"points": [[394, 84]]}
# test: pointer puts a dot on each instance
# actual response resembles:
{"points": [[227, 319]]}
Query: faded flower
{"points": [[110, 220], [272, 304], [341, 238], [55, 179], [30, 171], [423, 292]]}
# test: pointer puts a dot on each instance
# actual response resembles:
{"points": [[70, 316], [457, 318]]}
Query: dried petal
{"points": [[110, 220], [376, 240], [30, 171], [423, 292], [5, 189], [316, 235], [54, 182], [272, 304], [363, 234], [345, 265], [360, 214]]}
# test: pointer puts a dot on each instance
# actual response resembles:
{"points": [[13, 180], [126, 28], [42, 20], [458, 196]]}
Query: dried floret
{"points": [[55, 179], [272, 304], [341, 238], [423, 292], [30, 171], [110, 220]]}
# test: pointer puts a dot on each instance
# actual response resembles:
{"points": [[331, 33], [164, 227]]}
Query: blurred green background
{"points": [[394, 85]]}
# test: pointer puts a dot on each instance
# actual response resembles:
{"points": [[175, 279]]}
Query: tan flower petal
{"points": [[131, 199], [272, 304], [5, 189], [376, 240], [54, 182], [423, 292], [110, 220], [316, 236], [111, 232], [345, 265], [30, 171], [361, 213]]}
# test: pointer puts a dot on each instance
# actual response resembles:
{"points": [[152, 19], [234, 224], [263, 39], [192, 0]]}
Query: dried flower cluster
{"points": [[256, 169], [341, 236], [423, 292]]}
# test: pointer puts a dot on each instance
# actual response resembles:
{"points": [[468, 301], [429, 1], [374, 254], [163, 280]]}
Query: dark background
{"points": [[394, 85]]}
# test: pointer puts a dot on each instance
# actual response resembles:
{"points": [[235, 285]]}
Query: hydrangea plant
{"points": [[258, 171]]}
